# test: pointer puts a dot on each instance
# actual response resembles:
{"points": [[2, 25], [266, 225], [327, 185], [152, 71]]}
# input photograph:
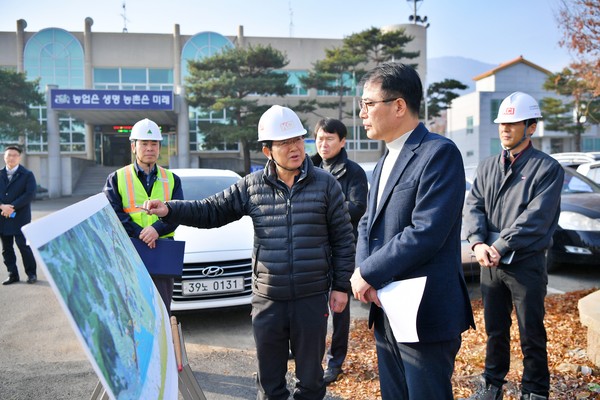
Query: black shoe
{"points": [[331, 374], [11, 279], [489, 392], [32, 279]]}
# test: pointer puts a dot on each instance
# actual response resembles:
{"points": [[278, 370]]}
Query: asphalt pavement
{"points": [[42, 357]]}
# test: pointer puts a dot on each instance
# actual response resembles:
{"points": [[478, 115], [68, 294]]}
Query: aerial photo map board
{"points": [[109, 298]]}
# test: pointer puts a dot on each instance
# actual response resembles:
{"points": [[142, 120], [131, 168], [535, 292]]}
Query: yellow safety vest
{"points": [[133, 193]]}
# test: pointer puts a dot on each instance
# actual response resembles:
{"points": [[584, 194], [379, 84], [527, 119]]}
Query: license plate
{"points": [[212, 286]]}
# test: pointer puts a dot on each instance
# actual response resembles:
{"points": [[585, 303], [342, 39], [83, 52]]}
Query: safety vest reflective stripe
{"points": [[133, 193]]}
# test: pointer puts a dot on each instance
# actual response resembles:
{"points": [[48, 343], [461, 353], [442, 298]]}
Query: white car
{"points": [[217, 270], [591, 170]]}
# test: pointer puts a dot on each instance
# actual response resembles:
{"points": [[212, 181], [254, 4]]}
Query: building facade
{"points": [[470, 119], [99, 84]]}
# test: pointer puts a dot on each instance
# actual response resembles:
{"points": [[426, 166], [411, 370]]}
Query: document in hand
{"points": [[400, 301], [508, 257], [166, 259]]}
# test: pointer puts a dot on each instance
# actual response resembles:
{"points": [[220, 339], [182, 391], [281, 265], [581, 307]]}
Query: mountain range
{"points": [[460, 68]]}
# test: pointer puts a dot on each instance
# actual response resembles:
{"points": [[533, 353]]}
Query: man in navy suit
{"points": [[17, 191], [411, 230]]}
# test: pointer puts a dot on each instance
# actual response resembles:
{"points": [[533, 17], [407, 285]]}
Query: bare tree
{"points": [[580, 22]]}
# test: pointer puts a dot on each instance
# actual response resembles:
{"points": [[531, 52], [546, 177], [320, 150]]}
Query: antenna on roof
{"points": [[124, 15], [414, 18], [291, 19]]}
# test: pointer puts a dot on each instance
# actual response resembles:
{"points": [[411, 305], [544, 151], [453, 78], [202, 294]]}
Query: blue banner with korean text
{"points": [[68, 99]]}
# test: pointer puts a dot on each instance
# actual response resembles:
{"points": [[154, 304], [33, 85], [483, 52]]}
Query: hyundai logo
{"points": [[211, 272]]}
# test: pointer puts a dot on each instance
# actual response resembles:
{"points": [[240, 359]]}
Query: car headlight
{"points": [[577, 222]]}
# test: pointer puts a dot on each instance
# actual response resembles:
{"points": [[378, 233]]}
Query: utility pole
{"points": [[291, 19], [124, 15]]}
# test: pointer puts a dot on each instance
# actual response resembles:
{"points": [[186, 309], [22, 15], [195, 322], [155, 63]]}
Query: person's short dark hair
{"points": [[331, 125], [398, 80], [531, 121], [12, 147]]}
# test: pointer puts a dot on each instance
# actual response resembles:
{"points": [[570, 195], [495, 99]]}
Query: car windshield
{"points": [[200, 187], [577, 183]]}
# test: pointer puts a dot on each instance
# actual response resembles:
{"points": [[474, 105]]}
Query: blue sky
{"points": [[491, 31]]}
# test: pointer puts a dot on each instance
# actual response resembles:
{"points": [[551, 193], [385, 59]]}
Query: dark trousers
{"points": [[164, 285], [339, 337], [10, 258], [276, 325], [415, 371], [523, 284]]}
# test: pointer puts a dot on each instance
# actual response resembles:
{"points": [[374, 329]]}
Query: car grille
{"points": [[232, 268]]}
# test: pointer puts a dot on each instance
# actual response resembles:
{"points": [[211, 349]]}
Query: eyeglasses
{"points": [[289, 142], [366, 104]]}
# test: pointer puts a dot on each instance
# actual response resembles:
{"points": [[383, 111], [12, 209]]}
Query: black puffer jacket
{"points": [[353, 180], [303, 242]]}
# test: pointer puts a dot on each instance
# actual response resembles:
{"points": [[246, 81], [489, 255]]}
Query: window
{"points": [[556, 146], [362, 142], [470, 129], [494, 107], [197, 138], [495, 146], [133, 79], [56, 58], [590, 144], [133, 75], [106, 75], [347, 81], [202, 45], [294, 80]]}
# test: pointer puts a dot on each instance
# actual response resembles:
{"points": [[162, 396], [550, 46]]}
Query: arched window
{"points": [[55, 56], [202, 45], [199, 46]]}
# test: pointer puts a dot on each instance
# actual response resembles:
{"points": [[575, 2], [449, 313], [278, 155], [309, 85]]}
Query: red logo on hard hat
{"points": [[286, 125], [509, 111]]}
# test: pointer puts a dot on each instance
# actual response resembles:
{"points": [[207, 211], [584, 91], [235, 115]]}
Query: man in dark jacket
{"points": [[409, 242], [17, 191], [330, 138], [303, 252], [511, 213]]}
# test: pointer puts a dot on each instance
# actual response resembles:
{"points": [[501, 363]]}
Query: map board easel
{"points": [[188, 385]]}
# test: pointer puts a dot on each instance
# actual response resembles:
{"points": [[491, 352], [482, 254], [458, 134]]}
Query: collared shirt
{"points": [[146, 179], [10, 172], [394, 148]]}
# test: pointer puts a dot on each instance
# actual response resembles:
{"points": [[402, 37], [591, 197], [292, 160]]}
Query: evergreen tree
{"points": [[16, 96], [572, 116], [440, 96], [343, 66], [225, 81]]}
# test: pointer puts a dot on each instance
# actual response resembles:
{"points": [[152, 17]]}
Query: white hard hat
{"points": [[145, 130], [279, 123], [518, 107]]}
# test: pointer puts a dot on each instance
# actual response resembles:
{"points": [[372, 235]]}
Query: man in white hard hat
{"points": [[510, 216], [303, 252], [128, 188]]}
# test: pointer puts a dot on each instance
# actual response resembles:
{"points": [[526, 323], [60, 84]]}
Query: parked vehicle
{"points": [[577, 238], [591, 170], [575, 159], [217, 270]]}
